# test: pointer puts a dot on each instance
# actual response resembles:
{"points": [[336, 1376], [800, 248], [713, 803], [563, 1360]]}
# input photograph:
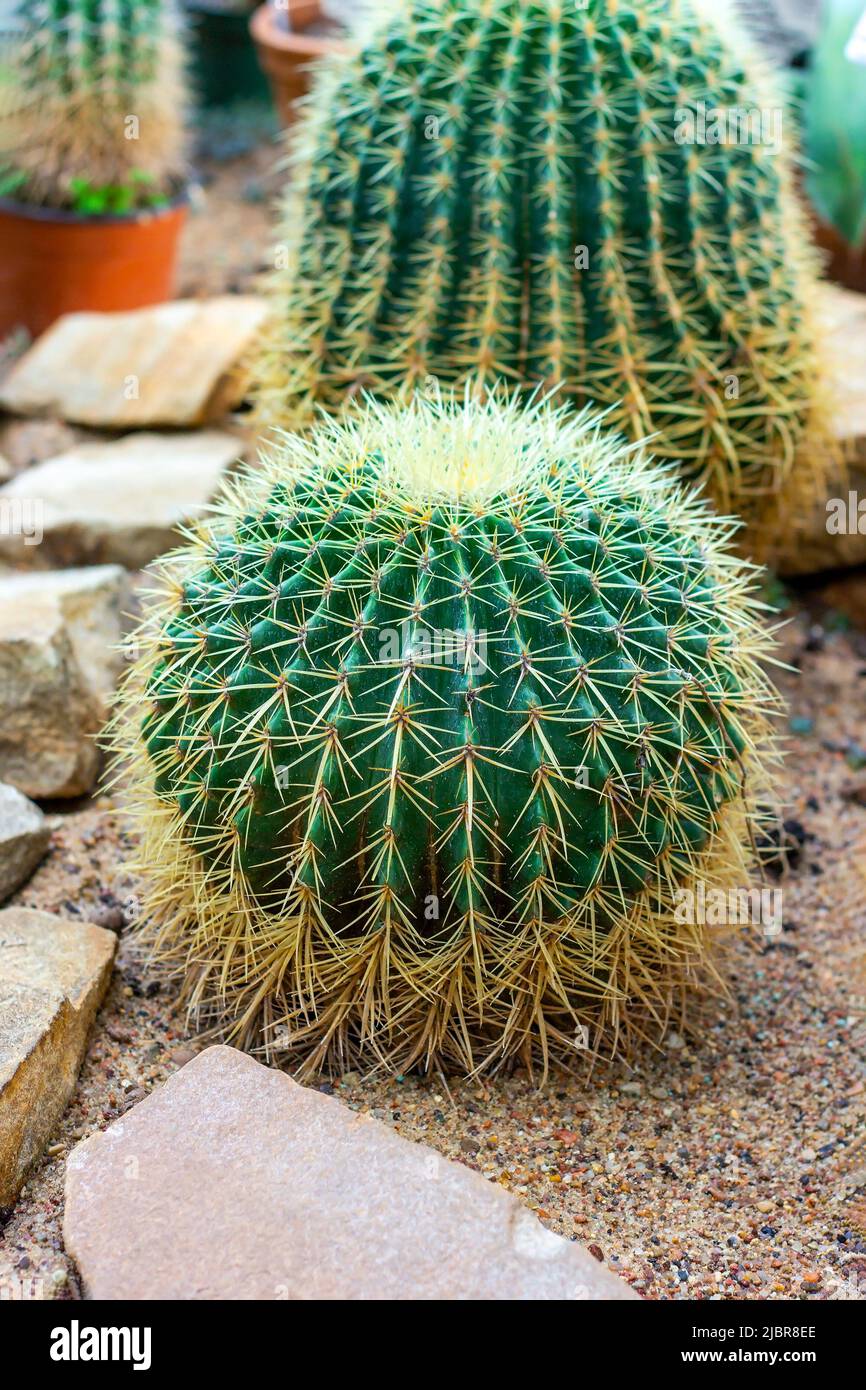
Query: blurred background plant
{"points": [[810, 44], [456, 209], [834, 139], [93, 91], [785, 29], [93, 156]]}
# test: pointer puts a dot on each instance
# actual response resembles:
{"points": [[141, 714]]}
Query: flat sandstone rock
{"points": [[842, 316], [24, 837], [232, 1181], [53, 975], [113, 503], [59, 634], [174, 364]]}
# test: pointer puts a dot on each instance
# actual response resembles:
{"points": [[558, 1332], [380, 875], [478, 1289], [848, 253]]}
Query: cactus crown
{"points": [[534, 190], [441, 710], [95, 91]]}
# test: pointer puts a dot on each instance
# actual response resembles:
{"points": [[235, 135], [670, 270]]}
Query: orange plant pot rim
{"points": [[267, 32], [66, 217], [301, 13]]}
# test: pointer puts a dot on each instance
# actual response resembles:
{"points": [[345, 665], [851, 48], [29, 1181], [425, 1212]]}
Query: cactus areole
{"points": [[429, 726], [595, 196]]}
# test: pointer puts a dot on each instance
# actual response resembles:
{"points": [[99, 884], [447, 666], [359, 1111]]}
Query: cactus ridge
{"points": [[494, 189], [80, 70], [440, 711]]}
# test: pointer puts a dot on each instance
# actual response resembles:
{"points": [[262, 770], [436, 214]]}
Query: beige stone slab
{"points": [[24, 837], [232, 1181], [53, 975], [119, 502], [174, 364], [842, 319], [59, 661]]}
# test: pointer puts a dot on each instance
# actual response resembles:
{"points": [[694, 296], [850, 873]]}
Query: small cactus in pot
{"points": [[92, 103], [540, 191], [429, 729]]}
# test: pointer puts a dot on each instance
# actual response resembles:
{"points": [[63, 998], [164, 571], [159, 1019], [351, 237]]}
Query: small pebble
{"points": [[110, 917], [181, 1055]]}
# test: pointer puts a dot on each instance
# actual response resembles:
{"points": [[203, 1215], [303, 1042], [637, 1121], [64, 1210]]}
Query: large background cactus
{"points": [[429, 725], [502, 189], [91, 90]]}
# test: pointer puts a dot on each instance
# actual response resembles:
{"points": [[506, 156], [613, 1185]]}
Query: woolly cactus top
{"points": [[535, 191], [441, 709], [94, 91]]}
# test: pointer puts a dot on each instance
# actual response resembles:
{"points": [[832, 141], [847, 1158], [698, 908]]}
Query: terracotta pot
{"points": [[285, 54], [296, 14], [840, 261], [845, 265], [54, 263]]}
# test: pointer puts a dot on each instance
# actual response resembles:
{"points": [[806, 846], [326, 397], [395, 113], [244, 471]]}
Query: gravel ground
{"points": [[730, 1164], [227, 240]]}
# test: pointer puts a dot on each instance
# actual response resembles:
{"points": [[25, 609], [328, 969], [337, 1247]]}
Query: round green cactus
{"points": [[430, 725], [93, 94], [534, 191]]}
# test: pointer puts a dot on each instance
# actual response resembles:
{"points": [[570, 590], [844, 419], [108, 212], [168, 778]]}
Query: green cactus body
{"points": [[508, 190], [441, 712], [94, 91]]}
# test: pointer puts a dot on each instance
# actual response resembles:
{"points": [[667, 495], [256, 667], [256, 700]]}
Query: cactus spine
{"points": [[508, 189], [428, 727], [94, 90]]}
